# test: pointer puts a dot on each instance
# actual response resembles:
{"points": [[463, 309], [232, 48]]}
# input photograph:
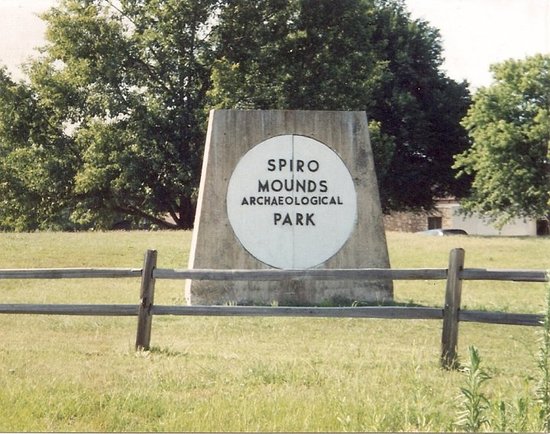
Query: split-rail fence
{"points": [[450, 313]]}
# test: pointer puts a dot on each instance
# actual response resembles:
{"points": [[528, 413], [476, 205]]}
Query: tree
{"points": [[351, 55], [124, 85], [36, 162], [509, 124], [112, 121]]}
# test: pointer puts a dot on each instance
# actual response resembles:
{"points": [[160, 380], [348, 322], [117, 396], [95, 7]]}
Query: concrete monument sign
{"points": [[291, 190], [291, 202]]}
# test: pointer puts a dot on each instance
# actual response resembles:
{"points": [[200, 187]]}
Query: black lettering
{"points": [[252, 200], [289, 184], [313, 165], [299, 219], [311, 186], [340, 201], [244, 202], [263, 186], [292, 165], [301, 185], [323, 186], [277, 185], [287, 220]]}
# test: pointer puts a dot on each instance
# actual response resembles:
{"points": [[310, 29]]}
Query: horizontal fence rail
{"points": [[72, 309], [386, 312], [450, 313], [505, 318], [504, 275], [321, 274], [70, 273], [275, 275], [383, 312]]}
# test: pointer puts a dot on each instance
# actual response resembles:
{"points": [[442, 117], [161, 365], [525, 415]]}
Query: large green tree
{"points": [[36, 161], [351, 55], [509, 124], [123, 83], [111, 123]]}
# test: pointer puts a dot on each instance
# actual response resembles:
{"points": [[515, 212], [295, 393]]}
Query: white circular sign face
{"points": [[291, 202]]}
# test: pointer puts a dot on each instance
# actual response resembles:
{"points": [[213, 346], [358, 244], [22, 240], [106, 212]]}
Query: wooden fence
{"points": [[450, 313]]}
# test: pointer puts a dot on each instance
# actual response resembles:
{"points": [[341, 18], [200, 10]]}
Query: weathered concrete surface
{"points": [[231, 133]]}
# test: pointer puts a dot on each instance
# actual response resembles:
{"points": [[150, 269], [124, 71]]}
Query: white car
{"points": [[443, 232]]}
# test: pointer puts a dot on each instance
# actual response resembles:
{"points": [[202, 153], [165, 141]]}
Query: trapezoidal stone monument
{"points": [[289, 190]]}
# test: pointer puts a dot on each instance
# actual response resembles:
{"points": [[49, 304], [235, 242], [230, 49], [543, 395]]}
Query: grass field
{"points": [[61, 373]]}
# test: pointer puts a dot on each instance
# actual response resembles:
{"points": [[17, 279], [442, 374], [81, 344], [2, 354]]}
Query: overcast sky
{"points": [[476, 33]]}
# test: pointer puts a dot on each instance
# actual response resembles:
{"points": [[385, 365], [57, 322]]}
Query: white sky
{"points": [[21, 30], [476, 33]]}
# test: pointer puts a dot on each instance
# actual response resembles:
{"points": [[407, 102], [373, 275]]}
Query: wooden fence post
{"points": [[453, 293], [147, 296]]}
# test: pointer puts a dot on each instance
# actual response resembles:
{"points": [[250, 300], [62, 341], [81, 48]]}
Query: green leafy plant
{"points": [[474, 404], [503, 417], [522, 414], [513, 417], [543, 387]]}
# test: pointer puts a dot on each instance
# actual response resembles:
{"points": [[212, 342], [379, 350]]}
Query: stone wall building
{"points": [[446, 215], [416, 221]]}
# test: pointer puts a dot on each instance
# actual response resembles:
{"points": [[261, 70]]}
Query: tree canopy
{"points": [[509, 124], [111, 122], [122, 85], [352, 55]]}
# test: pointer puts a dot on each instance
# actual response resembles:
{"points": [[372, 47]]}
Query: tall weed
{"points": [[473, 403], [474, 412], [543, 387]]}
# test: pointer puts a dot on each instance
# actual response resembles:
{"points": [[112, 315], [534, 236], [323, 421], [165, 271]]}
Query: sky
{"points": [[475, 33], [478, 33]]}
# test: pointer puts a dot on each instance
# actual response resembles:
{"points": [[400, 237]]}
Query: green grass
{"points": [[62, 373], [415, 251]]}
